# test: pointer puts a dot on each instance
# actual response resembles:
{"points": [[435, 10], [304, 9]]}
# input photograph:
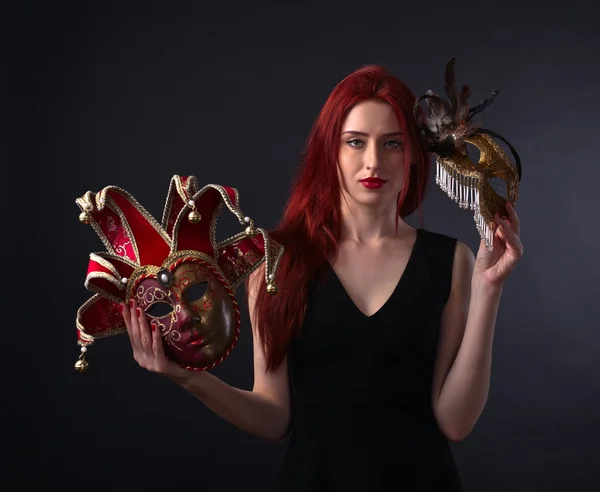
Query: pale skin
{"points": [[372, 257]]}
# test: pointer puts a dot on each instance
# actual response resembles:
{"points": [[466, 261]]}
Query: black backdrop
{"points": [[129, 94]]}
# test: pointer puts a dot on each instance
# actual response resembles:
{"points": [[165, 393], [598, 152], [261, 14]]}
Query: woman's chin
{"points": [[374, 199]]}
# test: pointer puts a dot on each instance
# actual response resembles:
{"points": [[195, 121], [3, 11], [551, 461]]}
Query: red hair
{"points": [[311, 223]]}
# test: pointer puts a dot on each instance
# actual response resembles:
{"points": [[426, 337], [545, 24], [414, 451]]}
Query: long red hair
{"points": [[311, 224]]}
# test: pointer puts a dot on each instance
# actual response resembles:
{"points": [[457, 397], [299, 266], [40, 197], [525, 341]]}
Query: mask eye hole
{"points": [[159, 309], [499, 186], [474, 154], [195, 291]]}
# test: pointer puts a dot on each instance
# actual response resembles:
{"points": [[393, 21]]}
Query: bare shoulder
{"points": [[462, 268], [463, 254]]}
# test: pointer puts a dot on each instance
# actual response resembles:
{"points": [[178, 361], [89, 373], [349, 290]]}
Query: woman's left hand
{"points": [[493, 267]]}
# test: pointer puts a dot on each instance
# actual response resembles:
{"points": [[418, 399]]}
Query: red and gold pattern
{"points": [[155, 263]]}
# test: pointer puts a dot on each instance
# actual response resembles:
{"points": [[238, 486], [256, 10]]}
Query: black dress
{"points": [[361, 386]]}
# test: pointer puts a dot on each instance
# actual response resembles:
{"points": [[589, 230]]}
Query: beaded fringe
{"points": [[464, 190]]}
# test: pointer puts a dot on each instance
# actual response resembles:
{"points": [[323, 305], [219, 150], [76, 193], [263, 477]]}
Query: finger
{"points": [[145, 333], [514, 246], [126, 318], [513, 219], [499, 239], [512, 241], [135, 328], [499, 232]]}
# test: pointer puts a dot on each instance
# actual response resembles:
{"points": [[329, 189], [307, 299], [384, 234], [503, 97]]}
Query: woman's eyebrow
{"points": [[354, 132]]}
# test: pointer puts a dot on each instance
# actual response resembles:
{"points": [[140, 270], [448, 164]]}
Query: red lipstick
{"points": [[372, 183]]}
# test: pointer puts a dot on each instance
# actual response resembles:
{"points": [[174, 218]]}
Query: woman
{"points": [[377, 350]]}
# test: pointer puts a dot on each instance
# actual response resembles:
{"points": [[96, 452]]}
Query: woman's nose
{"points": [[372, 159]]}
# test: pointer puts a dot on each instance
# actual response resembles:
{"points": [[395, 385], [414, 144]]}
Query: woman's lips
{"points": [[372, 183]]}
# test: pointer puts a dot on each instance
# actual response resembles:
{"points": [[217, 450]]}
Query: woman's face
{"points": [[371, 155]]}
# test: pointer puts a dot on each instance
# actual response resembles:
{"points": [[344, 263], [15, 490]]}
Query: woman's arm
{"points": [[462, 371], [263, 412], [265, 415]]}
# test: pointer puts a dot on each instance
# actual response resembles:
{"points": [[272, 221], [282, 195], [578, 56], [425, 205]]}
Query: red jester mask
{"points": [[177, 272]]}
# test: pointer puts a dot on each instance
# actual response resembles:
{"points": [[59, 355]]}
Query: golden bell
{"points": [[81, 365], [272, 289], [194, 217], [85, 218]]}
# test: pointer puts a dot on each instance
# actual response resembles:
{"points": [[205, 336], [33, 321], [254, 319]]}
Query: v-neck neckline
{"points": [[398, 283]]}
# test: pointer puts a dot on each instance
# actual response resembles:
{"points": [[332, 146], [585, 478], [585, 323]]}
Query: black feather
{"points": [[450, 84], [462, 111], [483, 105]]}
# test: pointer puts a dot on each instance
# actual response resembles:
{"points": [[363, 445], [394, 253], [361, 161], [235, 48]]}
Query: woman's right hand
{"points": [[146, 342]]}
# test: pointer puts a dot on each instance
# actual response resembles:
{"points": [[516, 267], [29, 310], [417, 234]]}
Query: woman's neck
{"points": [[370, 224]]}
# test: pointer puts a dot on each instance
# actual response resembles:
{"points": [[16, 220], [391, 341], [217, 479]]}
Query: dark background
{"points": [[129, 94]]}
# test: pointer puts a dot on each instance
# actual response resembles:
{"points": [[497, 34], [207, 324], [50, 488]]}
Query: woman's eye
{"points": [[195, 291], [355, 142], [393, 143], [159, 309]]}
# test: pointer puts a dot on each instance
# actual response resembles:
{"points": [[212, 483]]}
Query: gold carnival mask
{"points": [[447, 127]]}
